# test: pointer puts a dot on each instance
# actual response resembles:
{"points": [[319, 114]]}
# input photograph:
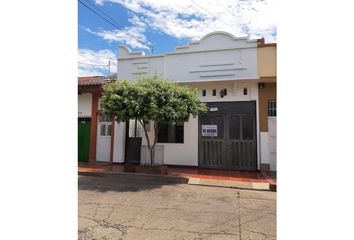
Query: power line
{"points": [[113, 22], [212, 15], [225, 8], [120, 26], [243, 25]]}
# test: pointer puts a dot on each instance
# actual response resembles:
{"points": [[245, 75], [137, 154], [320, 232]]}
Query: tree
{"points": [[150, 99]]}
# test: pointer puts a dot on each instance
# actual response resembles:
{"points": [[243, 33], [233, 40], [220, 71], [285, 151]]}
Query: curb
{"points": [[229, 184], [190, 181], [154, 177]]}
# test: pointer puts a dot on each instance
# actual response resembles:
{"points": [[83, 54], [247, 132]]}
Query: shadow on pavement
{"points": [[125, 182]]}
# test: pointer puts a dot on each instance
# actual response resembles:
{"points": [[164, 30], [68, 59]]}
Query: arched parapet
{"points": [[217, 40]]}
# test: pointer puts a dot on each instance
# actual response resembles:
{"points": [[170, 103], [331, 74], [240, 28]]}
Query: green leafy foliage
{"points": [[151, 99]]}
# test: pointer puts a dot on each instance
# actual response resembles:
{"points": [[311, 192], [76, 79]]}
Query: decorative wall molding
{"points": [[216, 64], [219, 75], [217, 70]]}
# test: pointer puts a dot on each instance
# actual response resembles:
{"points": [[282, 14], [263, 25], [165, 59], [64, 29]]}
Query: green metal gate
{"points": [[84, 139], [227, 136]]}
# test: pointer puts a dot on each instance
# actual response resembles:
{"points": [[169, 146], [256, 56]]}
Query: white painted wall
{"points": [[217, 56], [264, 145], [186, 153], [119, 143], [145, 155], [133, 69], [180, 153], [272, 128], [211, 65], [234, 90], [84, 104], [268, 145]]}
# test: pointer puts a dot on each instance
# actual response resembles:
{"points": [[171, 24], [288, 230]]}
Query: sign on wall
{"points": [[209, 130]]}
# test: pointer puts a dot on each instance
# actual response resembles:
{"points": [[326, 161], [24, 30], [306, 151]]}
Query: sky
{"points": [[158, 26]]}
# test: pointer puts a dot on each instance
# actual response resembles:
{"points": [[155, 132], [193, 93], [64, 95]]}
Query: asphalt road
{"points": [[139, 207]]}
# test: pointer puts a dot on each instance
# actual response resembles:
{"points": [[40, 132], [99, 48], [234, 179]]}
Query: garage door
{"points": [[227, 136]]}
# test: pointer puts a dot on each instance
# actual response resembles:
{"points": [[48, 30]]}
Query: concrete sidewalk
{"points": [[193, 176]]}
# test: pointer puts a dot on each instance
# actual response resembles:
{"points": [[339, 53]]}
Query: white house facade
{"points": [[226, 73], [224, 70]]}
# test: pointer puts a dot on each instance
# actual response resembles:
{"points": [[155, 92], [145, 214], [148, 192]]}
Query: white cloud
{"points": [[185, 19], [137, 30], [88, 72], [182, 19], [95, 63]]}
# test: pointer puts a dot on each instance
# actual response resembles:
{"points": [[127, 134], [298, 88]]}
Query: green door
{"points": [[84, 139]]}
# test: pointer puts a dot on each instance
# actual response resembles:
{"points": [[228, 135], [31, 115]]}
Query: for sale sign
{"points": [[209, 130]]}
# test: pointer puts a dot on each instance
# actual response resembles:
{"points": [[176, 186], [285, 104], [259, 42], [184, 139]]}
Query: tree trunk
{"points": [[156, 131], [152, 156], [147, 137], [151, 147]]}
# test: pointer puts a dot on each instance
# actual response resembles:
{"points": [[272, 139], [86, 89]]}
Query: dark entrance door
{"points": [[133, 141], [84, 139], [227, 136]]}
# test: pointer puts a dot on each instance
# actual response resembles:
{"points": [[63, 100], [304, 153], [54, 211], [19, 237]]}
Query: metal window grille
{"points": [[272, 108], [171, 134], [135, 128], [105, 125]]}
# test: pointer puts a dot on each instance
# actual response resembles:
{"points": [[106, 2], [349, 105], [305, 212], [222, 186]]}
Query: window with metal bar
{"points": [[171, 134], [272, 108], [105, 125]]}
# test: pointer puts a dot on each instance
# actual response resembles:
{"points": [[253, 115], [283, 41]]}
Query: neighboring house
{"points": [[236, 77], [267, 105], [89, 90]]}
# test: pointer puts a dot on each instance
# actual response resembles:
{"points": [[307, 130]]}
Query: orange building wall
{"points": [[265, 94], [267, 60]]}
